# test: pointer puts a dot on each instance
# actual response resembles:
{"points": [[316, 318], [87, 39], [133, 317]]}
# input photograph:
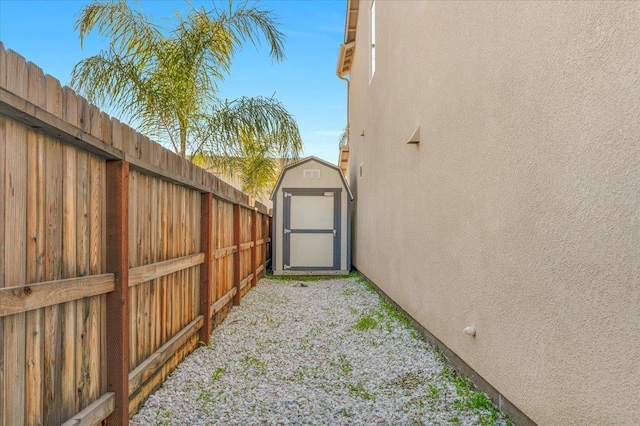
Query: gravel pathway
{"points": [[327, 352]]}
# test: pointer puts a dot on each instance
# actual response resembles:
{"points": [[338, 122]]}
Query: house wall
{"points": [[294, 178], [519, 211]]}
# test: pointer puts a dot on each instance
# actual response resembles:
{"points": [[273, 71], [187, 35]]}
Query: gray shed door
{"points": [[312, 229]]}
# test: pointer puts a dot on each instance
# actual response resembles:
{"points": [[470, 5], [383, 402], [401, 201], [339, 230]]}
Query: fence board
{"points": [[156, 270], [164, 353], [35, 255], [52, 401], [27, 297], [15, 190], [95, 412], [69, 265]]}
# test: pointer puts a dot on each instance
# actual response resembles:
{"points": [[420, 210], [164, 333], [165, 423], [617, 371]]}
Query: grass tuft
{"points": [[366, 322]]}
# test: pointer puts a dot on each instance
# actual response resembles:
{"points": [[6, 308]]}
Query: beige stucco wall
{"points": [[294, 178], [519, 211]]}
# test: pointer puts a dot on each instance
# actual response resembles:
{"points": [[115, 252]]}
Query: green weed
{"points": [[359, 390], [471, 399], [258, 366], [343, 364], [366, 322], [216, 374], [408, 380], [345, 412], [163, 418]]}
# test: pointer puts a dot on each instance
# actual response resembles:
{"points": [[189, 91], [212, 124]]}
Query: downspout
{"points": [[348, 96]]}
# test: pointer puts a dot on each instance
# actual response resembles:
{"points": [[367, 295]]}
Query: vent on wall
{"points": [[311, 174]]}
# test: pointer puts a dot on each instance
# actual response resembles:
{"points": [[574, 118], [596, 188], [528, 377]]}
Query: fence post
{"points": [[206, 270], [254, 248], [236, 257], [117, 327], [265, 247]]}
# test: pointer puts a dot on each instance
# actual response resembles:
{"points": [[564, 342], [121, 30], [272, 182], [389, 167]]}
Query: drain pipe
{"points": [[348, 96]]}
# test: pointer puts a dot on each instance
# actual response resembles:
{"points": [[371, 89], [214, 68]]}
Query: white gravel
{"points": [[318, 353]]}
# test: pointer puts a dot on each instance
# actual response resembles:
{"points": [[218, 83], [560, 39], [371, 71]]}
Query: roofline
{"points": [[351, 21], [305, 160], [347, 49]]}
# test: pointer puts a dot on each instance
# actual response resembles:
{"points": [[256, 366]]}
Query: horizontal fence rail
{"points": [[117, 257]]}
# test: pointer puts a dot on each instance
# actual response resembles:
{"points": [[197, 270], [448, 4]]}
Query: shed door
{"points": [[312, 229]]}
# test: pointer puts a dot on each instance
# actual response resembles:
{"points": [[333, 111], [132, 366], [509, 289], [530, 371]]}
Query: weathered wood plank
{"points": [[95, 413], [14, 193], [92, 354], [236, 259], [52, 395], [69, 268], [224, 252], [27, 297], [154, 338], [146, 273], [245, 281], [82, 265], [246, 246], [148, 367], [118, 300], [222, 302], [36, 230]]}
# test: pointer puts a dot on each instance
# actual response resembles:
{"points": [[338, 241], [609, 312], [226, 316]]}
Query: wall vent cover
{"points": [[311, 174]]}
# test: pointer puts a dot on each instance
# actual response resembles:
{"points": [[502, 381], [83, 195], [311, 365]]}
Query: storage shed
{"points": [[311, 220]]}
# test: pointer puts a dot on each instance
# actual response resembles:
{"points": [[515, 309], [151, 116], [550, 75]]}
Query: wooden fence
{"points": [[116, 256]]}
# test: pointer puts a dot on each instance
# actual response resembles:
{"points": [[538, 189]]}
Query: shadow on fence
{"points": [[116, 256]]}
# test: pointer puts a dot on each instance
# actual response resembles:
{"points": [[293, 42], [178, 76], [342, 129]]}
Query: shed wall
{"points": [[294, 178], [519, 211]]}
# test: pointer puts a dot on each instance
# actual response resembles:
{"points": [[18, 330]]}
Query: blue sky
{"points": [[306, 83]]}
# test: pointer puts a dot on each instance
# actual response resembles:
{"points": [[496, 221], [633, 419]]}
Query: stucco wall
{"points": [[519, 211]]}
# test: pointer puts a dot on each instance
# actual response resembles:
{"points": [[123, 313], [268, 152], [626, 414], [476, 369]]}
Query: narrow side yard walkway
{"points": [[327, 352]]}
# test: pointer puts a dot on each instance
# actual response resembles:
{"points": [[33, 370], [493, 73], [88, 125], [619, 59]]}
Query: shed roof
{"points": [[306, 160]]}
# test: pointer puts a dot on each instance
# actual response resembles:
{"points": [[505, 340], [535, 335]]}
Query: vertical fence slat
{"points": [[118, 300], [69, 270], [15, 194], [93, 337], [237, 223], [53, 260], [35, 254]]}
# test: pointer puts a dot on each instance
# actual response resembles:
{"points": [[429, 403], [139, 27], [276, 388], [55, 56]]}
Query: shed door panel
{"points": [[312, 229], [311, 250], [312, 212]]}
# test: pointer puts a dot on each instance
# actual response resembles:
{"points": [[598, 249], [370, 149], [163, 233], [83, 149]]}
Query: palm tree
{"points": [[166, 80], [257, 166]]}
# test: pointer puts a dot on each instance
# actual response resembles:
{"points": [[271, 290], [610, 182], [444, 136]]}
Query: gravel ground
{"points": [[327, 352]]}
